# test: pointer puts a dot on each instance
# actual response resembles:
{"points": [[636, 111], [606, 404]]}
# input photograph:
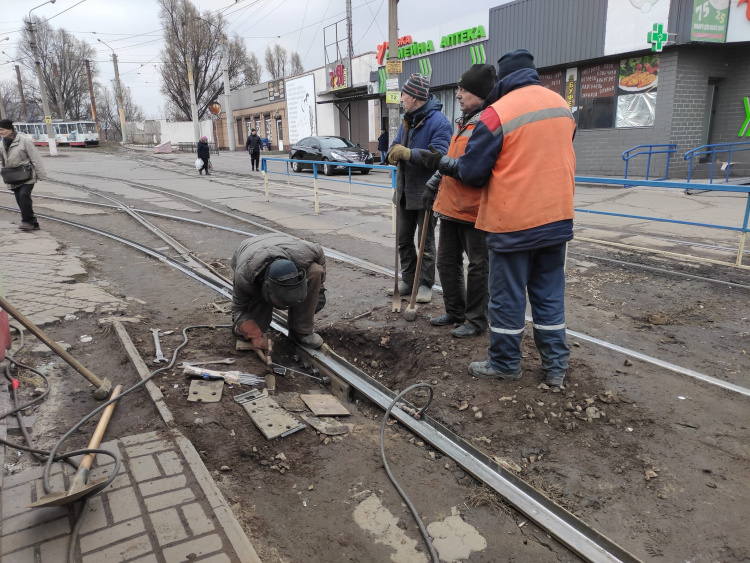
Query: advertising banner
{"points": [[709, 21], [636, 91], [338, 75], [552, 81], [597, 97], [571, 80], [738, 28], [276, 90], [300, 103], [629, 21]]}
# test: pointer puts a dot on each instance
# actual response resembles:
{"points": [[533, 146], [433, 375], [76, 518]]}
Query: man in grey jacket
{"points": [[19, 150], [277, 270]]}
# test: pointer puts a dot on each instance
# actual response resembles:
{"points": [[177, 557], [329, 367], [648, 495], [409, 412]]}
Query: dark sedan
{"points": [[329, 149]]}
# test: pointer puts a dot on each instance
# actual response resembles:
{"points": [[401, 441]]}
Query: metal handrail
{"points": [[713, 150], [670, 149]]}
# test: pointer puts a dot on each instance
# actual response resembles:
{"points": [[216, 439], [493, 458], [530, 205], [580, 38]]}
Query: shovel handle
{"points": [[422, 239], [101, 426]]}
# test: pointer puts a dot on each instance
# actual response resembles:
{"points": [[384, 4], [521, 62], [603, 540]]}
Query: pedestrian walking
{"points": [[383, 145], [423, 125], [21, 168], [253, 146], [277, 270], [456, 205], [521, 155], [204, 153]]}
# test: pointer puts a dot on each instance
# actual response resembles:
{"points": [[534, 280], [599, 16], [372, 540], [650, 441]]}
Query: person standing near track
{"points": [[253, 145], [521, 156], [204, 154], [277, 270], [423, 125], [383, 145], [21, 168], [456, 206]]}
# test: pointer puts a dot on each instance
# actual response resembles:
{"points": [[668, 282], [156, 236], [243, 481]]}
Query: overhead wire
{"points": [[67, 9], [307, 4]]}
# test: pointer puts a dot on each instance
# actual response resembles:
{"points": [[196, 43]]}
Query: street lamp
{"points": [[118, 93], [42, 87]]}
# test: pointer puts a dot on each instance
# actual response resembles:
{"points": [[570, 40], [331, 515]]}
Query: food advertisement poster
{"points": [[738, 28], [709, 21], [300, 103], [276, 90], [636, 91]]}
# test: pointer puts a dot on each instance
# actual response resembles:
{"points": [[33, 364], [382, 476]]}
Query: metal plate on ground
{"points": [[328, 426], [325, 405], [205, 391], [267, 415]]}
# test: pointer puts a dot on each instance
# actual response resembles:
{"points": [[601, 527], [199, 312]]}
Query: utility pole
{"points": [[3, 115], [91, 95], [227, 100], [42, 90], [59, 96], [191, 85], [20, 91], [393, 109], [349, 39], [118, 93]]}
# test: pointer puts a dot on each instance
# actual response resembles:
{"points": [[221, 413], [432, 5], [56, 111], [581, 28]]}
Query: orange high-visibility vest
{"points": [[532, 182], [456, 199]]}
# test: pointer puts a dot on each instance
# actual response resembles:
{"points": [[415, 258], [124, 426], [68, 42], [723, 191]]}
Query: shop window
{"points": [[597, 96], [553, 81]]}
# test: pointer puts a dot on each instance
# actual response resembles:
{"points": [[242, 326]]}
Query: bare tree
{"points": [[253, 70], [11, 100], [192, 36], [68, 91], [107, 112], [295, 64]]}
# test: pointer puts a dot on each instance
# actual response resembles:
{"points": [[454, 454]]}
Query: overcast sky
{"points": [[300, 24]]}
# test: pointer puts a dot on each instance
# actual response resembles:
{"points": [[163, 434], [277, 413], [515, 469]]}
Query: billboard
{"points": [[738, 28], [709, 23], [300, 104], [628, 24], [276, 90]]}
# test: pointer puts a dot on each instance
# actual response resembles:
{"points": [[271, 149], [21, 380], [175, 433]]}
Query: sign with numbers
{"points": [[47, 119], [394, 67], [709, 21], [393, 97]]}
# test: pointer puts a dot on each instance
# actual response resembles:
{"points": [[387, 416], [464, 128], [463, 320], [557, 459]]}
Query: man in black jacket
{"points": [[252, 145], [204, 153]]}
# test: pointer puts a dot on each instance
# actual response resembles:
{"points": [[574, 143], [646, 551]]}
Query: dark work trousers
{"points": [[23, 199], [301, 317], [464, 301], [541, 273], [409, 223], [205, 166], [254, 159]]}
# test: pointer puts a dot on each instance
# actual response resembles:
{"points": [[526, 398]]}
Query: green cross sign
{"points": [[657, 38]]}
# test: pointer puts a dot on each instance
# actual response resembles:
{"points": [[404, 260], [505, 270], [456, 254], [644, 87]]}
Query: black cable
{"points": [[418, 414]]}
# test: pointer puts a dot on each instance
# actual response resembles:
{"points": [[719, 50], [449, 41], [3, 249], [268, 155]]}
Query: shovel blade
{"points": [[64, 497], [396, 302]]}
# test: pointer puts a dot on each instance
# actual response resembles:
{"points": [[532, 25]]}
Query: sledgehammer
{"points": [[410, 313], [103, 387]]}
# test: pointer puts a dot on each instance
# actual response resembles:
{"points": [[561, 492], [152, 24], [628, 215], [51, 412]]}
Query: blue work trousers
{"points": [[541, 273]]}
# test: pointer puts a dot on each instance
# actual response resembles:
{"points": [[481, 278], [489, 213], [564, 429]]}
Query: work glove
{"points": [[250, 331], [428, 198], [321, 300], [399, 152], [431, 158]]}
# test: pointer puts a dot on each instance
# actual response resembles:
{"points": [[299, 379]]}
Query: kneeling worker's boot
{"points": [[312, 340]]}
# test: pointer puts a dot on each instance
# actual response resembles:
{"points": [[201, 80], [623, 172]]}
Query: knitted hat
{"points": [[204, 138], [513, 61], [479, 80], [282, 271], [6, 124], [418, 86]]}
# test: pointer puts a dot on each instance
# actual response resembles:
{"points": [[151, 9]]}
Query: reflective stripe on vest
{"points": [[455, 199], [532, 182]]}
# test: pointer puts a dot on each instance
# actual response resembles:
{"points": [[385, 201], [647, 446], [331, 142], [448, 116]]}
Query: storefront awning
{"points": [[351, 95]]}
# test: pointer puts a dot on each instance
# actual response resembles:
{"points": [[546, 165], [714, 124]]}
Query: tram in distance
{"points": [[72, 133]]}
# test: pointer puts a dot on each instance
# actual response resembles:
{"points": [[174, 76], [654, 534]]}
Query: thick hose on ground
{"points": [[404, 496]]}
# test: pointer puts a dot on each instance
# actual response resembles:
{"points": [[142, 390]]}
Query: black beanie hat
{"points": [[418, 86], [479, 80], [6, 124], [513, 61]]}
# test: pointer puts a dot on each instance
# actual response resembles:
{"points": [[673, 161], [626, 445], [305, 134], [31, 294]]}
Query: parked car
{"points": [[333, 149]]}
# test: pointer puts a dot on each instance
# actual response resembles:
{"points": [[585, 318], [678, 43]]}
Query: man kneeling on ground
{"points": [[277, 270]]}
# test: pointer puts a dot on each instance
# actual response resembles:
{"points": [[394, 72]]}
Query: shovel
{"points": [[410, 313], [396, 302], [80, 486]]}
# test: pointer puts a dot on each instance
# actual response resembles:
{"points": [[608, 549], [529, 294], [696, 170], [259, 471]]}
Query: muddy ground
{"points": [[654, 460]]}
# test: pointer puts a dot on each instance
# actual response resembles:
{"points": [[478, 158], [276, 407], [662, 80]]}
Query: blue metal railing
{"points": [[669, 151], [713, 150], [681, 186]]}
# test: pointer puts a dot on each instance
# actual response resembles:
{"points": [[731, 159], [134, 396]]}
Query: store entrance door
{"points": [[712, 96]]}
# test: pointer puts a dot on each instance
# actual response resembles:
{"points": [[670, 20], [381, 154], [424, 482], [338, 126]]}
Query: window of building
{"points": [[597, 96], [553, 81]]}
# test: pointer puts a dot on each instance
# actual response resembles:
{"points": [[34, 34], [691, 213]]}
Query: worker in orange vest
{"points": [[521, 156], [456, 206]]}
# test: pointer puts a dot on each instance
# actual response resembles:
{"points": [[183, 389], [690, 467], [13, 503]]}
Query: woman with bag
{"points": [[21, 168], [204, 154]]}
